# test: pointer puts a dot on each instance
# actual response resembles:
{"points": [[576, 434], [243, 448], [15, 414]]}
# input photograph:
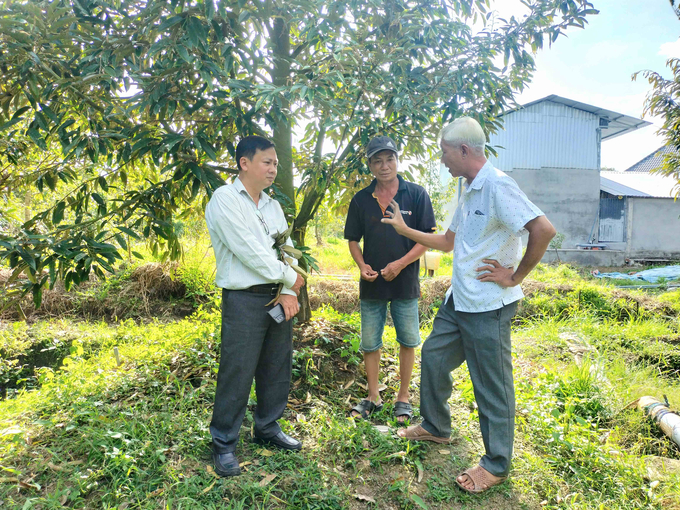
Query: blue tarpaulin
{"points": [[648, 275]]}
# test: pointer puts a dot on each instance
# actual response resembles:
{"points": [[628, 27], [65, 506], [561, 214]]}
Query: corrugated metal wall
{"points": [[547, 135]]}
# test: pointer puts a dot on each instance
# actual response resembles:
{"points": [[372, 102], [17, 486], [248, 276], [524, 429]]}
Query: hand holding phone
{"points": [[277, 314]]}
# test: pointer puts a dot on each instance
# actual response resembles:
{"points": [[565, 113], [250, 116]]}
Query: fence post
{"points": [[117, 355]]}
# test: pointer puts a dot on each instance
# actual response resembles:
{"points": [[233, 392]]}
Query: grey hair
{"points": [[464, 130]]}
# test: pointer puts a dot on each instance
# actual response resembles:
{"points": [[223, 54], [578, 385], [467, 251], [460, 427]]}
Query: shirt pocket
{"points": [[475, 225]]}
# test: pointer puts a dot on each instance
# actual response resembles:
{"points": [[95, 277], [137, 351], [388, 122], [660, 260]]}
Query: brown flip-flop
{"points": [[418, 433], [481, 478]]}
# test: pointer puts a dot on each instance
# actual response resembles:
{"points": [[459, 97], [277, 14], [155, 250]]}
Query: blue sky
{"points": [[594, 66]]}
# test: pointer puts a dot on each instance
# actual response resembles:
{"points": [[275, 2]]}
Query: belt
{"points": [[266, 288]]}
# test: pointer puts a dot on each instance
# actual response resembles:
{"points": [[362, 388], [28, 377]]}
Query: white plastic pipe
{"points": [[660, 413]]}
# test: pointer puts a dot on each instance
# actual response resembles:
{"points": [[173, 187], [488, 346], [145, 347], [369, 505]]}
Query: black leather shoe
{"points": [[280, 440], [226, 464]]}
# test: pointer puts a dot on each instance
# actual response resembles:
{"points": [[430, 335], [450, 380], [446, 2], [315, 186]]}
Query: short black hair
{"points": [[249, 145]]}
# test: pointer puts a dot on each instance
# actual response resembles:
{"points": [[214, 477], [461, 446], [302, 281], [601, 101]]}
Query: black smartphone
{"points": [[278, 314]]}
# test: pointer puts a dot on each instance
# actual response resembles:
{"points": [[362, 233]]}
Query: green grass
{"points": [[590, 370], [44, 344], [87, 433], [672, 298], [334, 257]]}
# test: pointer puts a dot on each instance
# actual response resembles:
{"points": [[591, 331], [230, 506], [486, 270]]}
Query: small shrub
{"points": [[352, 321], [114, 282], [304, 368], [580, 393], [672, 298], [199, 284], [548, 304], [594, 300]]}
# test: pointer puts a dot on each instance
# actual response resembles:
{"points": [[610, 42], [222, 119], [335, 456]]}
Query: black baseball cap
{"points": [[380, 143]]}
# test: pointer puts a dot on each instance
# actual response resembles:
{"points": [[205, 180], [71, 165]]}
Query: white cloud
{"points": [[670, 49]]}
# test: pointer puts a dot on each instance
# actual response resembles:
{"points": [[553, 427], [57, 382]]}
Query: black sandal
{"points": [[366, 408], [403, 409]]}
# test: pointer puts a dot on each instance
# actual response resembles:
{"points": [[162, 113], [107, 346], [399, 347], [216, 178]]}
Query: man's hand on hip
{"points": [[503, 276], [290, 305], [299, 283], [392, 270], [395, 218], [368, 274]]}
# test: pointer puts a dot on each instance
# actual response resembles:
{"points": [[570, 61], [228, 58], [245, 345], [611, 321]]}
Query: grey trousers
{"points": [[483, 340], [253, 345]]}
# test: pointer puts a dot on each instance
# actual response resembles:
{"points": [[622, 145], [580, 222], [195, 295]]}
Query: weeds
{"points": [[596, 471], [88, 433], [580, 393]]}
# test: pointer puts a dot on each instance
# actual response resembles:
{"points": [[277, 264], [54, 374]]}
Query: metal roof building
{"points": [[557, 132], [551, 147], [637, 183], [638, 213], [614, 124], [651, 162]]}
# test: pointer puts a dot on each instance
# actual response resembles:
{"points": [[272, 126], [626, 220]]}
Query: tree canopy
{"points": [[664, 100], [124, 114]]}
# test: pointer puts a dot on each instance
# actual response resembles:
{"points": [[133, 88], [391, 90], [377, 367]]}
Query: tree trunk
{"points": [[283, 133], [283, 138], [305, 312]]}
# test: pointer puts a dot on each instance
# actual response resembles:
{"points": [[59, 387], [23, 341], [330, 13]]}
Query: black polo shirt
{"points": [[382, 244]]}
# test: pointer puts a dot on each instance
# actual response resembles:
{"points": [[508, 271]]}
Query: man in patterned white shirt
{"points": [[473, 323], [241, 220]]}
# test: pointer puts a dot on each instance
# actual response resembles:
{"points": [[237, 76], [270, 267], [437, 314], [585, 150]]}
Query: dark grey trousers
{"points": [[253, 345], [483, 340]]}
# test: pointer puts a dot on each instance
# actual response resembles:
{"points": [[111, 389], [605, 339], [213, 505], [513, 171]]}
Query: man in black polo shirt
{"points": [[389, 265]]}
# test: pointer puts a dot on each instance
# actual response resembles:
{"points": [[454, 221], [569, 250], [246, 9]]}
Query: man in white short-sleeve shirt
{"points": [[490, 218], [473, 323]]}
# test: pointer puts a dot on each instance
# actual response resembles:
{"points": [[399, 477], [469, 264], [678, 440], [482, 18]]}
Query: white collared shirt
{"points": [[488, 223], [244, 251]]}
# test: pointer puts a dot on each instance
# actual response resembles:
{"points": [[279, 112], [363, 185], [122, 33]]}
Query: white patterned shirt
{"points": [[244, 251], [488, 223]]}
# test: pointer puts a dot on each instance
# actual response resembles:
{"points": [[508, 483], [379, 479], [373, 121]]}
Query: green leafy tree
{"points": [[664, 101], [128, 110], [676, 7]]}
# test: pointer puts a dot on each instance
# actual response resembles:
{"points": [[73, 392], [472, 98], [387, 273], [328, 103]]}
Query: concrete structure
{"points": [[551, 147], [646, 223], [601, 258]]}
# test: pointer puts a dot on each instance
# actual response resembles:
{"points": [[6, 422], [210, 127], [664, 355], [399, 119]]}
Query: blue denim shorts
{"points": [[404, 316]]}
